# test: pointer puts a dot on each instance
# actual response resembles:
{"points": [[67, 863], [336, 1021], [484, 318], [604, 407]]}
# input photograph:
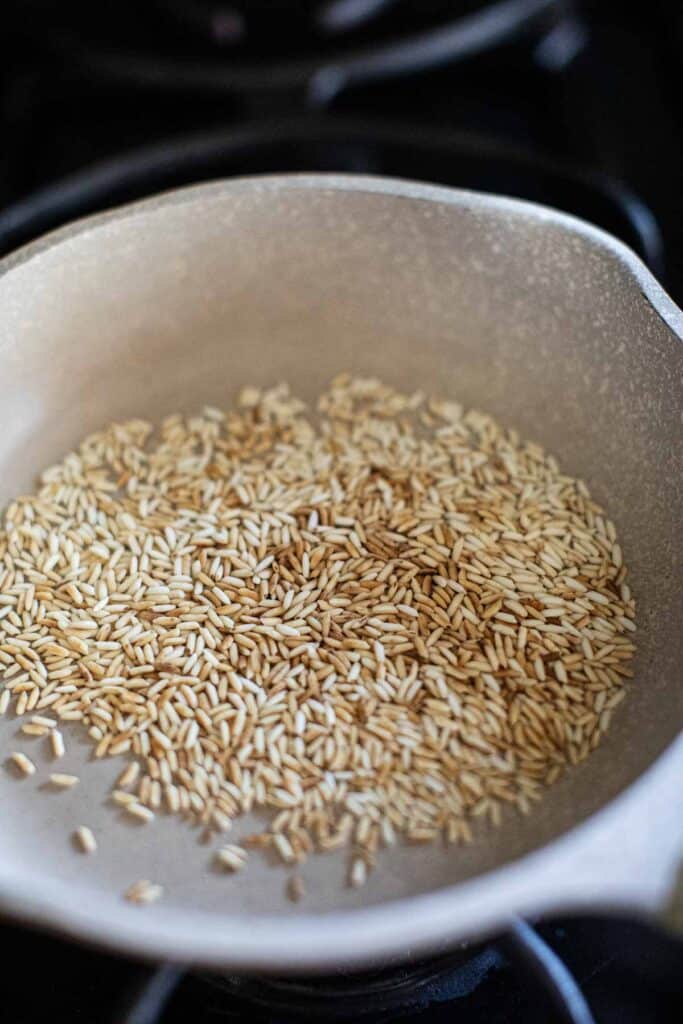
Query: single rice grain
{"points": [[85, 839]]}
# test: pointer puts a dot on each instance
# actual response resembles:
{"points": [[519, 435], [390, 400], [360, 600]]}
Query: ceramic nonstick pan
{"points": [[546, 322]]}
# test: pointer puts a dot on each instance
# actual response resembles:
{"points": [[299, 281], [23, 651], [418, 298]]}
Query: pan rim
{"points": [[395, 187], [354, 936]]}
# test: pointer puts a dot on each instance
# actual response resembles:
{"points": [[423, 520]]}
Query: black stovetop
{"points": [[625, 973], [566, 103]]}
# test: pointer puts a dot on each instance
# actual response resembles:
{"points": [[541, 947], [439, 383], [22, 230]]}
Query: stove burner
{"points": [[310, 49], [380, 995], [339, 144], [345, 996], [224, 24]]}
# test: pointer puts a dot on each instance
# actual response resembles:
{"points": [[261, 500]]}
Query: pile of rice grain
{"points": [[384, 621]]}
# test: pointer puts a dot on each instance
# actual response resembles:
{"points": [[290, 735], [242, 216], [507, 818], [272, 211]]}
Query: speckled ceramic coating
{"points": [[549, 324]]}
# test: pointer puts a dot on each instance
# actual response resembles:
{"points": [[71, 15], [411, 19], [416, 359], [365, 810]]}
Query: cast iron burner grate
{"points": [[628, 972], [344, 144], [348, 996], [312, 49], [381, 995]]}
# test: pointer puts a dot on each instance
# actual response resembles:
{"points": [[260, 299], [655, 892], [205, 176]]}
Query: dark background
{"points": [[574, 104]]}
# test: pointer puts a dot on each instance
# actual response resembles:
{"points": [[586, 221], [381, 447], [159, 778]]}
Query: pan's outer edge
{"points": [[623, 859], [624, 856], [504, 205]]}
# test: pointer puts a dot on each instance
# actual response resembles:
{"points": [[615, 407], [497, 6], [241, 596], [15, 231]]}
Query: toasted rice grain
{"points": [[85, 839], [63, 781], [144, 892], [23, 763], [139, 811], [296, 890], [232, 857], [359, 873], [57, 743], [129, 775]]}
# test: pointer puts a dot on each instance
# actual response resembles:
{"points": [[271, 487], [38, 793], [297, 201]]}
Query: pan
{"points": [[544, 321]]}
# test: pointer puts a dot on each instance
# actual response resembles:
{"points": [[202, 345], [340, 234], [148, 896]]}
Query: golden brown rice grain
{"points": [[296, 890], [359, 873], [42, 721], [144, 892], [138, 811], [23, 763], [57, 743], [129, 775], [232, 857], [85, 839], [63, 781], [29, 729]]}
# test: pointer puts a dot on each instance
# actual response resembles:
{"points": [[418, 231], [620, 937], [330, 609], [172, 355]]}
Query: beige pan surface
{"points": [[547, 323]]}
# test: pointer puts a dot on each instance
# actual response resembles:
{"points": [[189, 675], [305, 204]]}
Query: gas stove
{"points": [[566, 103]]}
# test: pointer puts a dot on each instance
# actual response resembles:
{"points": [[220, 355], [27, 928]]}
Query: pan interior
{"points": [[179, 304]]}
